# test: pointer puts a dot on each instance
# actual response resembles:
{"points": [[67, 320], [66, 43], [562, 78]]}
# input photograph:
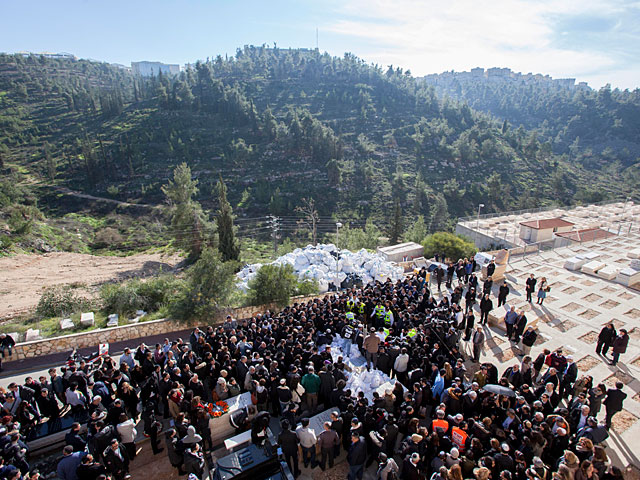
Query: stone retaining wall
{"points": [[92, 338]]}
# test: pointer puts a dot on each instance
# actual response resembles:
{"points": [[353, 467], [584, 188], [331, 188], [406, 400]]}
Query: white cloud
{"points": [[437, 35]]}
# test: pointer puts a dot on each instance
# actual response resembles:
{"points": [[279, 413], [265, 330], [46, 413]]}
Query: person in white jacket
{"points": [[401, 364], [127, 430]]}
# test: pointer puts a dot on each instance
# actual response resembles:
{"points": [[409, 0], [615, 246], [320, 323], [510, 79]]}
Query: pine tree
{"points": [[50, 162], [227, 243], [439, 214], [188, 222], [417, 232], [396, 226]]}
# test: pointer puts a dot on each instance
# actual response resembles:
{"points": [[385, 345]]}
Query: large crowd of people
{"points": [[536, 420]]}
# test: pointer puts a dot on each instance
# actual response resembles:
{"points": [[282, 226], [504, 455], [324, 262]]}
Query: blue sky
{"points": [[597, 41]]}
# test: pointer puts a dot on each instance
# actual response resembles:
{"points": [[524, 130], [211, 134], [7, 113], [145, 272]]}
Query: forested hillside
{"points": [[599, 129], [283, 125]]}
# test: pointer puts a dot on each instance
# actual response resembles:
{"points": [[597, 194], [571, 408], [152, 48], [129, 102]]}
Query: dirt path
{"points": [[24, 277], [66, 191]]}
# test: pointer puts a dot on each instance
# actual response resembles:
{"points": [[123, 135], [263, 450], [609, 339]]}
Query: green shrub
{"points": [[307, 287], [122, 299], [209, 286], [451, 245], [59, 301], [150, 295], [273, 284]]}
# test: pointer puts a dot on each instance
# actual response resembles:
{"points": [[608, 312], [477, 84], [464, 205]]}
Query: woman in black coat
{"points": [[173, 450]]}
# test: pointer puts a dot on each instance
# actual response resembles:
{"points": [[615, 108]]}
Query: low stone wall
{"points": [[150, 328]]}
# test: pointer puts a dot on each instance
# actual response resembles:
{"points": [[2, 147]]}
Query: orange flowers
{"points": [[217, 410]]}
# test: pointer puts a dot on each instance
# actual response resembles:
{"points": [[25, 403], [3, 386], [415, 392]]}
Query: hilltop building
{"points": [[148, 69], [69, 56], [502, 74]]}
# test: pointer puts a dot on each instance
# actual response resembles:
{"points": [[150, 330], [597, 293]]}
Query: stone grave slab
{"points": [[66, 324], [87, 319]]}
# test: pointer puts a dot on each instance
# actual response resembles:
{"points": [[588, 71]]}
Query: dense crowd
{"points": [[536, 420]]}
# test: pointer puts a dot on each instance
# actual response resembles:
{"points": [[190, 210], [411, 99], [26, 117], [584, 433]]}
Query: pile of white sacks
{"points": [[318, 263], [359, 379]]}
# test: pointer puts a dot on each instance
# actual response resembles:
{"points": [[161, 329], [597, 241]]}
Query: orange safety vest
{"points": [[440, 425], [459, 437]]}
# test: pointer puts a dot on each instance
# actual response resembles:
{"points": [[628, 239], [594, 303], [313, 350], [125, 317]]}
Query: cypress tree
{"points": [[227, 244]]}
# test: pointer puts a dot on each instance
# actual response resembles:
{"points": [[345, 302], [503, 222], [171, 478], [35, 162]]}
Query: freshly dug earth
{"points": [[24, 277]]}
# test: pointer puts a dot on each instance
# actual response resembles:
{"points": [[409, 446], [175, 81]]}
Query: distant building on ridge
{"points": [[147, 69]]}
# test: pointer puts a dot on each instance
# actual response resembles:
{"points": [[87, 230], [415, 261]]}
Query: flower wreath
{"points": [[223, 407]]}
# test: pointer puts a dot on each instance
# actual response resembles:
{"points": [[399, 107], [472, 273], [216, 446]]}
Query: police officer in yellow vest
{"points": [[388, 319], [351, 305], [379, 314]]}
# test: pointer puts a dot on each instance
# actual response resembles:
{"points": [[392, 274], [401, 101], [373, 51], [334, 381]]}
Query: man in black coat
{"points": [[288, 442], [491, 268], [486, 305], [74, 439], [531, 286], [569, 378], [613, 402], [48, 405], [520, 325], [502, 294], [620, 344], [605, 338], [116, 460], [356, 457], [410, 467], [528, 339], [89, 469], [337, 424]]}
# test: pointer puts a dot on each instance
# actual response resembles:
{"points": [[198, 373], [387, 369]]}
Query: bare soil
{"points": [[24, 277]]}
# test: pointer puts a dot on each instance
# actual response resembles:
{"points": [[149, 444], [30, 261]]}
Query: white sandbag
{"points": [[323, 286]]}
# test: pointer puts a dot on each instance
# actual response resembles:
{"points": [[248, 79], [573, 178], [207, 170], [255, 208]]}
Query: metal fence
{"points": [[484, 216]]}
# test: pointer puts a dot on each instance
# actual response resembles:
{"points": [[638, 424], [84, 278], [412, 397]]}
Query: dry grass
{"points": [[619, 376], [635, 333], [571, 290], [618, 323], [587, 363], [589, 337], [610, 304], [506, 355], [633, 313], [571, 307], [565, 326], [592, 297], [589, 314], [623, 420]]}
